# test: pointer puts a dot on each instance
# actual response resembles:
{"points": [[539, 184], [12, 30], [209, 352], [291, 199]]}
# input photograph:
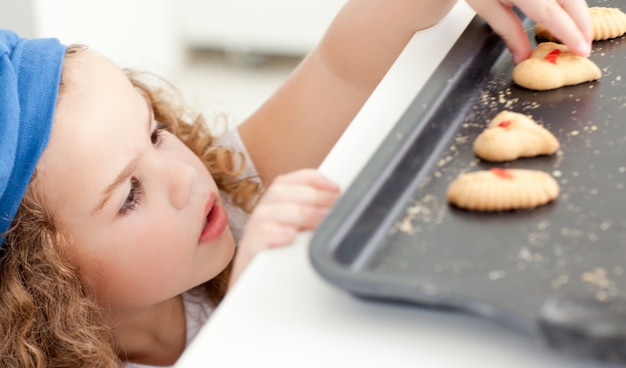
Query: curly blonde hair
{"points": [[47, 318]]}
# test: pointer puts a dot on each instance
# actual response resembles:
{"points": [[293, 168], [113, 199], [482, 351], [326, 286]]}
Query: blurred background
{"points": [[224, 55]]}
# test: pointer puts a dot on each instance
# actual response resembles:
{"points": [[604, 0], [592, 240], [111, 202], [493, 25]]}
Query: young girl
{"points": [[115, 202]]}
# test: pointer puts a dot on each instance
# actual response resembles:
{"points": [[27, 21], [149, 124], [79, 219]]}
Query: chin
{"points": [[225, 260]]}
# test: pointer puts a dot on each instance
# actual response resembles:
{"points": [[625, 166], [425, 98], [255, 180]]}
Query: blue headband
{"points": [[30, 73]]}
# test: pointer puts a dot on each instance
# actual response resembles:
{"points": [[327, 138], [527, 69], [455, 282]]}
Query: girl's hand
{"points": [[294, 202], [568, 20]]}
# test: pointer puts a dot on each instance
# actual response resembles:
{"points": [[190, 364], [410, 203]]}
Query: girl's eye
{"points": [[158, 130], [133, 198]]}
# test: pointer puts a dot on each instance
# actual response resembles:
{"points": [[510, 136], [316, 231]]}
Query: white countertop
{"points": [[281, 313]]}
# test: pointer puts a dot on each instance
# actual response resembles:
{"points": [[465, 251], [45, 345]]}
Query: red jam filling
{"points": [[503, 173], [552, 56], [505, 124]]}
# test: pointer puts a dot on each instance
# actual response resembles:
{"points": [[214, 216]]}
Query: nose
{"points": [[181, 177]]}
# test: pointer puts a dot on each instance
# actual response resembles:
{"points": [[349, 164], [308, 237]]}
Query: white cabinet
{"points": [[289, 27]]}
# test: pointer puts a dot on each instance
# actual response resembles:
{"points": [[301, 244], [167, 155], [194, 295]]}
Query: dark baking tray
{"points": [[557, 271]]}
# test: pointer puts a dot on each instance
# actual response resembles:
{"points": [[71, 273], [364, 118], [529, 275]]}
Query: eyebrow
{"points": [[124, 175], [121, 178]]}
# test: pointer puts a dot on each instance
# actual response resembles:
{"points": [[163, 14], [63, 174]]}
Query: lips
{"points": [[215, 222]]}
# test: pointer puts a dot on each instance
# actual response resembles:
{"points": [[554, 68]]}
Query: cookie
{"points": [[502, 190], [607, 23], [552, 65], [512, 135]]}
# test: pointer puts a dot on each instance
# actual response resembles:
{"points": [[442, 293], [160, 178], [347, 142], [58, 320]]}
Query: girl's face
{"points": [[141, 211]]}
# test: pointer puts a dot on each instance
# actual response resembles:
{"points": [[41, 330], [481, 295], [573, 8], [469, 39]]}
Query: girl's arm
{"points": [[300, 123]]}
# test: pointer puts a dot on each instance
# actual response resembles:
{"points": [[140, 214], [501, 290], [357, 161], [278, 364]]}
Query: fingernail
{"points": [[333, 186], [518, 57], [585, 48], [288, 231], [322, 212]]}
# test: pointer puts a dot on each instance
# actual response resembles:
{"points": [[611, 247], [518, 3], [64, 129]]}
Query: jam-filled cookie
{"points": [[607, 23], [502, 190], [511, 135], [552, 65]]}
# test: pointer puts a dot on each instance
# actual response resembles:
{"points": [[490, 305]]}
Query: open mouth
{"points": [[215, 223], [210, 216]]}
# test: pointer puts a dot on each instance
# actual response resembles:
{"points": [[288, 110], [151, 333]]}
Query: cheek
{"points": [[133, 275], [135, 266]]}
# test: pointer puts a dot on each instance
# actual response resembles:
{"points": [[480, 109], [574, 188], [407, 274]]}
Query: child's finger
{"points": [[302, 217], [579, 11], [567, 20], [310, 177], [505, 23], [273, 235], [302, 194]]}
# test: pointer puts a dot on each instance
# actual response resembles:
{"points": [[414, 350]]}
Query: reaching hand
{"points": [[294, 202], [568, 20]]}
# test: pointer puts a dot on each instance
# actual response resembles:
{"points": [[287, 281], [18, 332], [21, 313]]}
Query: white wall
{"points": [[17, 15], [290, 27], [133, 33], [153, 34]]}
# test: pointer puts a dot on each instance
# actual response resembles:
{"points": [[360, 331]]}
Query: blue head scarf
{"points": [[30, 73]]}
